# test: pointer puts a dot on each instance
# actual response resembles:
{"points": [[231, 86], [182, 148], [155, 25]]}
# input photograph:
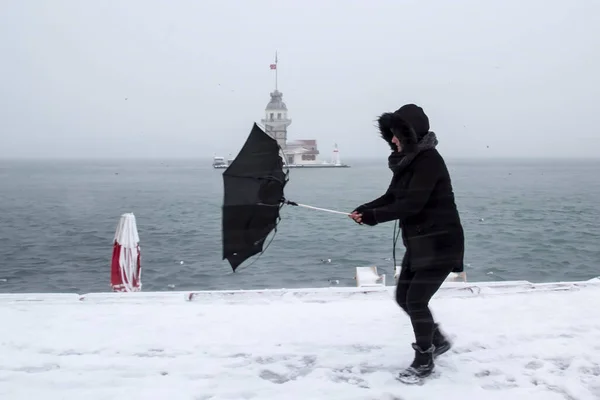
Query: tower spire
{"points": [[276, 118]]}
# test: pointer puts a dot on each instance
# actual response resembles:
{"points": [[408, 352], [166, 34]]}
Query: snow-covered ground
{"points": [[515, 341]]}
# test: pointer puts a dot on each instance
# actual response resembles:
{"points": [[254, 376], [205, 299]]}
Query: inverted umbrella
{"points": [[254, 186]]}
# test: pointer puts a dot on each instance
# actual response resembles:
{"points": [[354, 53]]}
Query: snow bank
{"points": [[513, 340]]}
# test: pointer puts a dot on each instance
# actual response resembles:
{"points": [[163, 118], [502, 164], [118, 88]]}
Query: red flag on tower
{"points": [[274, 66]]}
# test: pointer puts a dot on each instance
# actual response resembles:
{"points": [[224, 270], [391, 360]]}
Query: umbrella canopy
{"points": [[126, 268], [253, 197]]}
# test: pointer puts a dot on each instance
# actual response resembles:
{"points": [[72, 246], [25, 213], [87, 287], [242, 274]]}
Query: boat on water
{"points": [[221, 162]]}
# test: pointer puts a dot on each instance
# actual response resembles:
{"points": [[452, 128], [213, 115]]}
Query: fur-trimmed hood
{"points": [[409, 124]]}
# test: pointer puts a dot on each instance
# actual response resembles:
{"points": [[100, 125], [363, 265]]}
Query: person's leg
{"points": [[455, 260], [440, 342], [403, 284], [421, 289], [423, 286]]}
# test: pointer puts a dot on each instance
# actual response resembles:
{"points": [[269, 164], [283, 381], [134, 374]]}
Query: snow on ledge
{"points": [[514, 340], [326, 294]]}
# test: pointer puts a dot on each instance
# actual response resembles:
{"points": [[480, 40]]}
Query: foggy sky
{"points": [[177, 78]]}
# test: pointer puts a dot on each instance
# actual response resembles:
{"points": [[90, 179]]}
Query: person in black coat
{"points": [[421, 198]]}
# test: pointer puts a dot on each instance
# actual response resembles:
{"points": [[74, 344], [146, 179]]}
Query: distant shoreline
{"points": [[360, 160]]}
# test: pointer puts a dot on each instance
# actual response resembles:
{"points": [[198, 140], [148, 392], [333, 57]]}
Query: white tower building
{"points": [[276, 118]]}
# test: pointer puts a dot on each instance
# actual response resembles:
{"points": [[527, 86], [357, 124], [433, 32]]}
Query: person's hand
{"points": [[367, 217], [360, 209], [356, 217]]}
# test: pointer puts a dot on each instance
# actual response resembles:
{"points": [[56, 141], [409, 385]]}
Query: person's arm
{"points": [[427, 171]]}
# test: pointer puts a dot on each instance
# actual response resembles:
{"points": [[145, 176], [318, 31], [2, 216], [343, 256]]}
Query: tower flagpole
{"points": [[274, 66]]}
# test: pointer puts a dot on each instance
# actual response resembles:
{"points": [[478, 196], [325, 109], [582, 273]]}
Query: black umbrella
{"points": [[254, 186]]}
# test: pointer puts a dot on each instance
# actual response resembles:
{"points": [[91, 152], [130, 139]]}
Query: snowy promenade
{"points": [[513, 341]]}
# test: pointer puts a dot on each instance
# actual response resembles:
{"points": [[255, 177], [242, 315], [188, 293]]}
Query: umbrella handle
{"points": [[316, 208]]}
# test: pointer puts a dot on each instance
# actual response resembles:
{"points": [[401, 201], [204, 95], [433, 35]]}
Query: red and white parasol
{"points": [[126, 268]]}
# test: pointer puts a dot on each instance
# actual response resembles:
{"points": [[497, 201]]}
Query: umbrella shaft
{"points": [[322, 209]]}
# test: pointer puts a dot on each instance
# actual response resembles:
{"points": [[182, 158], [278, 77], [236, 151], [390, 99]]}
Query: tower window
{"points": [[278, 115], [271, 116]]}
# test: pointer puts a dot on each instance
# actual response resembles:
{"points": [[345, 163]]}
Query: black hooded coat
{"points": [[420, 195]]}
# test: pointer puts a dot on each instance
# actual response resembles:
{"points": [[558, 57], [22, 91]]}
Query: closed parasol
{"points": [[126, 267]]}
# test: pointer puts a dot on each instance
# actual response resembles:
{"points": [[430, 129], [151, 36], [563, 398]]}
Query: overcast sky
{"points": [[187, 78]]}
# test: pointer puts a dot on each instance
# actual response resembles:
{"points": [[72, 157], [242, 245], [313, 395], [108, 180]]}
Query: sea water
{"points": [[524, 219]]}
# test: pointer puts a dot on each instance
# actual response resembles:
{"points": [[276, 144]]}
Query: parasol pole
{"points": [[292, 203]]}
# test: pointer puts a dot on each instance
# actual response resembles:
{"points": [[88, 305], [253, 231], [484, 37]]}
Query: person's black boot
{"points": [[440, 342], [421, 367]]}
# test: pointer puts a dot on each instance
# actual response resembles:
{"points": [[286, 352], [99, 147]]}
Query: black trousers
{"points": [[413, 292]]}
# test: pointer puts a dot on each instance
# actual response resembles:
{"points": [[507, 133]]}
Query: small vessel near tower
{"points": [[299, 153]]}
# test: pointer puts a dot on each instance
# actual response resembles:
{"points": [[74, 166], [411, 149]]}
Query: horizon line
{"points": [[362, 158]]}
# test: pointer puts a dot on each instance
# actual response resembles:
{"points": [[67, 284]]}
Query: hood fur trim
{"points": [[390, 125]]}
